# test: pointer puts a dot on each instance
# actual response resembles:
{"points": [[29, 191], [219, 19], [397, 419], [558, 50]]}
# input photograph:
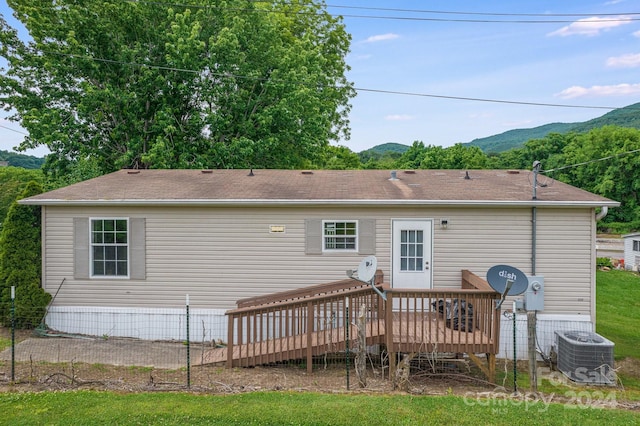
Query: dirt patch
{"points": [[629, 367]]}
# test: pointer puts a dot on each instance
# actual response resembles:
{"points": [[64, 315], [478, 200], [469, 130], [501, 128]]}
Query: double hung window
{"points": [[109, 247], [340, 235]]}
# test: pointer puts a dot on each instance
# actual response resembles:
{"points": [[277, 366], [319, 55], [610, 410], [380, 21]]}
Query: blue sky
{"points": [[589, 57]]}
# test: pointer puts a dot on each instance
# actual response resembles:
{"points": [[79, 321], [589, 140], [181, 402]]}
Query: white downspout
{"points": [[603, 212]]}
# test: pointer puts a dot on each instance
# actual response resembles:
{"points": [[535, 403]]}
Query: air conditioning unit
{"points": [[585, 357]]}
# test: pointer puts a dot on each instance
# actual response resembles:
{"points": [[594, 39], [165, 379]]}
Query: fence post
{"points": [[13, 333], [188, 349], [347, 325]]}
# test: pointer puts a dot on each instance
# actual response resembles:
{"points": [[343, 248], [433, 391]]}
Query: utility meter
{"points": [[534, 295]]}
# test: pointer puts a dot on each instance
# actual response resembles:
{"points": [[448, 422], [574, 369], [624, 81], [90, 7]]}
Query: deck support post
{"points": [[491, 361], [231, 321], [488, 370], [388, 325], [310, 321]]}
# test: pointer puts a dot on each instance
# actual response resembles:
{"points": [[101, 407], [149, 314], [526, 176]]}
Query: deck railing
{"points": [[300, 324], [314, 321]]}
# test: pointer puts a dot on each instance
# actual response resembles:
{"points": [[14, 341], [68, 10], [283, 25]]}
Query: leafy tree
{"points": [[75, 171], [20, 263], [458, 156], [13, 181], [603, 162], [547, 150], [412, 158], [211, 83], [341, 158], [384, 162]]}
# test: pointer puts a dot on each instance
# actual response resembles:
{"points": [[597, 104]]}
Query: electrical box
{"points": [[534, 295]]}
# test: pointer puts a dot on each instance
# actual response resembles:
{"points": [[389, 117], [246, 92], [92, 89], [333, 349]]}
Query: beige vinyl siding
{"points": [[567, 251], [219, 255]]}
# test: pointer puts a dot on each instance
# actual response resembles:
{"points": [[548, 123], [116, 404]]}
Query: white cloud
{"points": [[381, 37], [591, 26], [613, 90], [399, 117], [630, 60], [637, 33]]}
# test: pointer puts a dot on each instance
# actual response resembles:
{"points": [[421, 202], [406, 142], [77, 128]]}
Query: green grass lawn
{"points": [[274, 408], [618, 311]]}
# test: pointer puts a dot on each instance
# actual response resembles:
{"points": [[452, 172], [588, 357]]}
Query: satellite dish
{"points": [[367, 268], [365, 273], [507, 280]]}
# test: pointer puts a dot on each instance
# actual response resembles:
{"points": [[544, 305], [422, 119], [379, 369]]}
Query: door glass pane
{"points": [[411, 250]]}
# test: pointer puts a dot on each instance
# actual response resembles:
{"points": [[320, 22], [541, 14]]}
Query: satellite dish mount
{"points": [[507, 280], [366, 273]]}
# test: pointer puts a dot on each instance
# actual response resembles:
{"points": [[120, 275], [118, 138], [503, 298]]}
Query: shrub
{"points": [[20, 263], [601, 262]]}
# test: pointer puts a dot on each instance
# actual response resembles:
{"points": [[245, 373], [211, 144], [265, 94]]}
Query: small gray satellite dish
{"points": [[367, 268], [365, 273], [507, 280]]}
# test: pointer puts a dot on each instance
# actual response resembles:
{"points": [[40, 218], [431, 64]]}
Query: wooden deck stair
{"points": [[309, 322]]}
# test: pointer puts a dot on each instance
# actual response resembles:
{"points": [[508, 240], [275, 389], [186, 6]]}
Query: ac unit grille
{"points": [[585, 357]]}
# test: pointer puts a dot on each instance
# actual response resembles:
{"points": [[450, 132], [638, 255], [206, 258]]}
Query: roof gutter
{"points": [[287, 202]]}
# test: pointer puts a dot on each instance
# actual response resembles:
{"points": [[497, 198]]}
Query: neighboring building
{"points": [[136, 242], [4, 164], [631, 251]]}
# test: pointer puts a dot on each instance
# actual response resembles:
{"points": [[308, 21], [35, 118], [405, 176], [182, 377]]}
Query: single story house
{"points": [[121, 252]]}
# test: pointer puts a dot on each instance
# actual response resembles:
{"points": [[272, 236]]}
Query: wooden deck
{"points": [[426, 330], [301, 324]]}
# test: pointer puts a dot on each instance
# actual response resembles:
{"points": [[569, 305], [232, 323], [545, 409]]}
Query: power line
{"points": [[590, 161], [501, 101], [622, 17], [357, 89], [14, 130], [445, 12]]}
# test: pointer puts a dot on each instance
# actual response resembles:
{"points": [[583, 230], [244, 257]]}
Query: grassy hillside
{"points": [[628, 116]]}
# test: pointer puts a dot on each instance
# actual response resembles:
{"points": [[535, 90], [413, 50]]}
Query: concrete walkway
{"points": [[110, 351]]}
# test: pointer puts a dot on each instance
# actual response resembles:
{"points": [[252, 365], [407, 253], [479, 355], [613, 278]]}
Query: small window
{"points": [[340, 235], [636, 245], [110, 248]]}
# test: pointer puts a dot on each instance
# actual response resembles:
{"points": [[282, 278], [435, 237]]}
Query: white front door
{"points": [[411, 254]]}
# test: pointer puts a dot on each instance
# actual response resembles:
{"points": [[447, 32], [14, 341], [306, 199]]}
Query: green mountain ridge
{"points": [[628, 116], [20, 160]]}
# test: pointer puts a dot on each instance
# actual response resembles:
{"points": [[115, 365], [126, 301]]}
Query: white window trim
{"points": [[635, 243], [109, 277], [356, 236]]}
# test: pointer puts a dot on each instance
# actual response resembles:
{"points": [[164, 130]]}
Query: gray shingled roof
{"points": [[442, 187]]}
